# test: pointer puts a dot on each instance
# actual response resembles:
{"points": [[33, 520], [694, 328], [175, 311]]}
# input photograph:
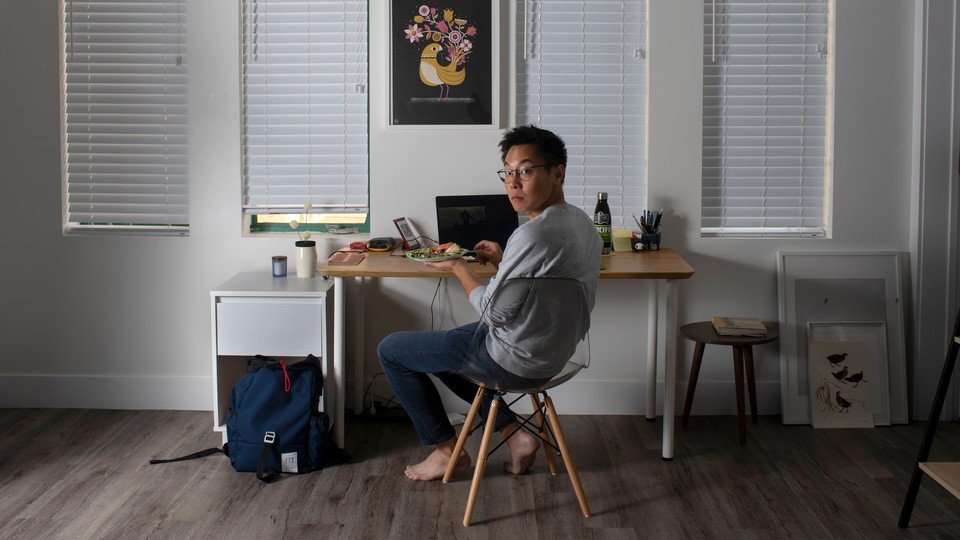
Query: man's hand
{"points": [[488, 252], [447, 264]]}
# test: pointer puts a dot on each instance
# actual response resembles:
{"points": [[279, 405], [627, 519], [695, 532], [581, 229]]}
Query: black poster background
{"points": [[415, 103]]}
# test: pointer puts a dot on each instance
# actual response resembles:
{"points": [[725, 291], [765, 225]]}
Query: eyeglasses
{"points": [[524, 173]]}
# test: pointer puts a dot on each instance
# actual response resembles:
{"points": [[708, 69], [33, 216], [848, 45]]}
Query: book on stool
{"points": [[739, 326]]}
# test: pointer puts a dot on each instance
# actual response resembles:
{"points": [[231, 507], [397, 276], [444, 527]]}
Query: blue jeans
{"points": [[407, 358]]}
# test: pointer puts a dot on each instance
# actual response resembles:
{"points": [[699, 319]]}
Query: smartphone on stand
{"points": [[407, 234]]}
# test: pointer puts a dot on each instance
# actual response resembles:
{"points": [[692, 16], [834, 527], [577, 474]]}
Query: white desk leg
{"points": [[653, 308], [338, 339], [358, 355], [669, 368]]}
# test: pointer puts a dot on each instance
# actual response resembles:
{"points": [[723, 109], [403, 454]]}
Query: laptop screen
{"points": [[468, 219]]}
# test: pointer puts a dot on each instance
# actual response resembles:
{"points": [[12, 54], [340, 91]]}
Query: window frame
{"points": [[124, 144], [261, 215], [764, 195], [598, 159]]}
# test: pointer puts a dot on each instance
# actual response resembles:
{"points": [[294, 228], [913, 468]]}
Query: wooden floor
{"points": [[84, 474]]}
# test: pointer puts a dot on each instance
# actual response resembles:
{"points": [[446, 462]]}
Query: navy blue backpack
{"points": [[274, 424]]}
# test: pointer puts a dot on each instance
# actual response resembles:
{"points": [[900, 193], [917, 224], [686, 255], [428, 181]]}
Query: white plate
{"points": [[429, 256]]}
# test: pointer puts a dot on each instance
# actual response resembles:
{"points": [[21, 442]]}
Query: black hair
{"points": [[550, 146]]}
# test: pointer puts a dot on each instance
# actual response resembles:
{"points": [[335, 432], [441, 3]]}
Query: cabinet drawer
{"points": [[270, 326]]}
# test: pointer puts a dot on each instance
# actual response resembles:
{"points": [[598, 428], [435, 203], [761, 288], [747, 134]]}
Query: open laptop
{"points": [[468, 219]]}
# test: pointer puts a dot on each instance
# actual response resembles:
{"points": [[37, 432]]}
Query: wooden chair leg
{"points": [[488, 430], [738, 380], [565, 452], [464, 434], [692, 383], [544, 433], [751, 382]]}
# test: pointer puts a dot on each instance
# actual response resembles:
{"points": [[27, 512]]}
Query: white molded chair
{"points": [[555, 297]]}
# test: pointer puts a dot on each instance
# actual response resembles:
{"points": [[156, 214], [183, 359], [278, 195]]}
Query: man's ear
{"points": [[560, 171]]}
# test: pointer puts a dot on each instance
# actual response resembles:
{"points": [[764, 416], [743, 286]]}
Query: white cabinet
{"points": [[255, 313]]}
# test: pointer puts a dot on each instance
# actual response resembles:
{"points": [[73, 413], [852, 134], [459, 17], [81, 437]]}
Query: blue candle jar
{"points": [[279, 266]]}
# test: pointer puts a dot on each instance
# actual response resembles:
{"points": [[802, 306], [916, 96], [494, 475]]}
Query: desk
{"points": [[663, 267]]}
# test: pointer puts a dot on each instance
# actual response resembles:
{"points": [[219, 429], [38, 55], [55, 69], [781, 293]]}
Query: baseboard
{"points": [[106, 392]]}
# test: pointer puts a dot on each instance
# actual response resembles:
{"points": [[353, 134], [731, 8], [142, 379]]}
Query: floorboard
{"points": [[85, 474]]}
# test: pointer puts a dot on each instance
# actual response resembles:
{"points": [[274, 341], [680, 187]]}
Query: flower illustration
{"points": [[413, 33], [445, 28]]}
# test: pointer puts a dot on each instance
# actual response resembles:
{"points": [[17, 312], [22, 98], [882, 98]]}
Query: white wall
{"points": [[124, 321]]}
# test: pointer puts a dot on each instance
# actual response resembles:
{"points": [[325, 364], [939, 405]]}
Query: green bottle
{"points": [[603, 222]]}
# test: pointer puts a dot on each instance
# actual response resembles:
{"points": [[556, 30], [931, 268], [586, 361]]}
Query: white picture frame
{"points": [[872, 335], [839, 287], [412, 104]]}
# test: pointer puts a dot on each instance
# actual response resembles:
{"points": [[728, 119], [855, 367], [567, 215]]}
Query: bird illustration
{"points": [[434, 74], [837, 358], [839, 375], [856, 379], [842, 403]]}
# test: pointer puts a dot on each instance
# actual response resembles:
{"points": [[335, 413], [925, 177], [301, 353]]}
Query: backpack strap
{"points": [[262, 475], [195, 455], [267, 476]]}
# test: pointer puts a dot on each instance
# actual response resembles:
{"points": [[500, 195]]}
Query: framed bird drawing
{"points": [[875, 375], [443, 60], [840, 379]]}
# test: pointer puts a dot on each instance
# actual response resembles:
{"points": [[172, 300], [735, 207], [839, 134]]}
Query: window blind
{"points": [[304, 106], [765, 66], [580, 74], [124, 116]]}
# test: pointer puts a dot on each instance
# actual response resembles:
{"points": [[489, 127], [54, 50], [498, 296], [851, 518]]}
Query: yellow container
{"points": [[622, 239]]}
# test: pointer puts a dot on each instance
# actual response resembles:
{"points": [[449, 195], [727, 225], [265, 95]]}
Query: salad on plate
{"points": [[441, 252]]}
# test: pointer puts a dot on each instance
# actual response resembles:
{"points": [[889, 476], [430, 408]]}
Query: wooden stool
{"points": [[703, 333]]}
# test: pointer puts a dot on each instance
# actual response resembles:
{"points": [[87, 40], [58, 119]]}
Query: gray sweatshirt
{"points": [[561, 242]]}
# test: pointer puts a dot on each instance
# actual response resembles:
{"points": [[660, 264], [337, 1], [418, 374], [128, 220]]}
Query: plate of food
{"points": [[442, 252]]}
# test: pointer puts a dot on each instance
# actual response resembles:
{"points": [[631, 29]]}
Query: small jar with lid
{"points": [[279, 266]]}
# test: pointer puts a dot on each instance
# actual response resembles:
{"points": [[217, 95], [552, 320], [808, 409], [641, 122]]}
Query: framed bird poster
{"points": [[443, 62], [848, 371], [839, 378], [845, 286]]}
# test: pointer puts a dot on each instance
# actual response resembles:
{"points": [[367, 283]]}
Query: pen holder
{"points": [[651, 240], [646, 241]]}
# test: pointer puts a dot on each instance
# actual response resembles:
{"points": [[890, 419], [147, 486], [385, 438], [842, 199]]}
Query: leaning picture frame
{"points": [[839, 287], [444, 63], [872, 373]]}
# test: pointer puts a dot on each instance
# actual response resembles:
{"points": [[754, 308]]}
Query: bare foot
{"points": [[435, 466], [523, 450]]}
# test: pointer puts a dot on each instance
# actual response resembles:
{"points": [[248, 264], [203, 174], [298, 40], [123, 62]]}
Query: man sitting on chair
{"points": [[559, 241]]}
